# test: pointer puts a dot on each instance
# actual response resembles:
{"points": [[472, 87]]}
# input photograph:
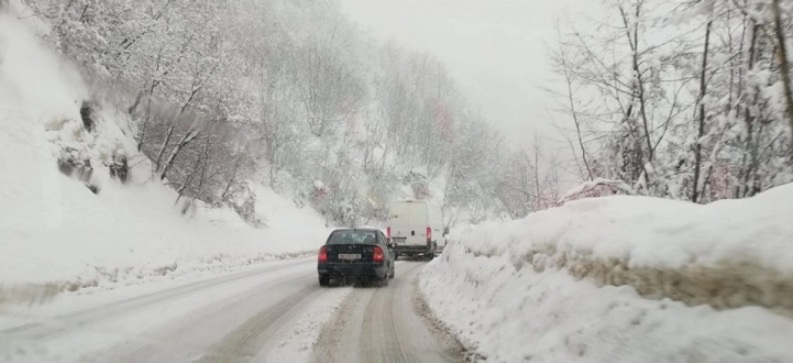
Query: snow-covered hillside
{"points": [[624, 279], [57, 234]]}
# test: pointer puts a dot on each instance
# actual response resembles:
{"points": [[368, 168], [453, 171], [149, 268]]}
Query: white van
{"points": [[415, 227]]}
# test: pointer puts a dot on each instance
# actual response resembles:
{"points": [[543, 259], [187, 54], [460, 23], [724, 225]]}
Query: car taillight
{"points": [[323, 254], [429, 235], [378, 255], [388, 232]]}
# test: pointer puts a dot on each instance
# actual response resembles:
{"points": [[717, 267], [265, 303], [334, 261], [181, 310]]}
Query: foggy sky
{"points": [[496, 50]]}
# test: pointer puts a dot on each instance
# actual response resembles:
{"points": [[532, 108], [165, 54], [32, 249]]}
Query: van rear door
{"points": [[408, 221]]}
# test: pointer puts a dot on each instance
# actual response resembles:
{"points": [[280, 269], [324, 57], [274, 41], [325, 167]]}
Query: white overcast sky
{"points": [[495, 49]]}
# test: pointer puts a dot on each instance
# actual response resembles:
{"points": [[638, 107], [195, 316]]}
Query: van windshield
{"points": [[352, 237]]}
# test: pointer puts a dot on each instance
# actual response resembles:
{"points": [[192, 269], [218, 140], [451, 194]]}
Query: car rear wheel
{"points": [[384, 281], [324, 280]]}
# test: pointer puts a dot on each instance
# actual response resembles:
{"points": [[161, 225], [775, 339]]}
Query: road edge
{"points": [[438, 326]]}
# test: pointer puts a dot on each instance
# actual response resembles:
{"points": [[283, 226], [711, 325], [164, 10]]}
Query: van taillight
{"points": [[323, 254], [429, 235], [378, 255], [388, 232]]}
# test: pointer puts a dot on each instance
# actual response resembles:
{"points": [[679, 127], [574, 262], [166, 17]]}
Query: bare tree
{"points": [[562, 60], [703, 89], [784, 66]]}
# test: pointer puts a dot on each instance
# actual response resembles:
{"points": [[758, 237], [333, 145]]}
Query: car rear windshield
{"points": [[352, 237]]}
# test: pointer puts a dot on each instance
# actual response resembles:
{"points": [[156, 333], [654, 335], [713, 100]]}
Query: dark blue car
{"points": [[356, 254]]}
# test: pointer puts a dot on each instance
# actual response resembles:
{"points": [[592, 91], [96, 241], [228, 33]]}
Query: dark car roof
{"points": [[356, 230]]}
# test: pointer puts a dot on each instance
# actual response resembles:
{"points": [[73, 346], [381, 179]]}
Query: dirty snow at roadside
{"points": [[624, 279], [298, 340], [58, 235]]}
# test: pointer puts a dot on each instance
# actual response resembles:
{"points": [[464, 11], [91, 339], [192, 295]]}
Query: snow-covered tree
{"points": [[684, 99]]}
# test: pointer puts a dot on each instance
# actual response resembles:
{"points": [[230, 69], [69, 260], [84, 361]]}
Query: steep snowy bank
{"points": [[56, 234], [624, 279]]}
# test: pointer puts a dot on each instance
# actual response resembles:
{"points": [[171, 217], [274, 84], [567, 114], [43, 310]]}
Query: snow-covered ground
{"points": [[270, 310], [624, 279], [56, 234]]}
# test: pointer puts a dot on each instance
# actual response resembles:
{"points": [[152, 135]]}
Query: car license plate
{"points": [[349, 256], [400, 239]]}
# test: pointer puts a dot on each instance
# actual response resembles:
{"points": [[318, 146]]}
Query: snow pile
{"points": [[624, 279], [87, 229]]}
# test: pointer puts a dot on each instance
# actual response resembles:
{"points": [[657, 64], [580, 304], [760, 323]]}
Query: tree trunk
{"points": [[186, 140], [142, 137], [173, 126], [749, 98], [703, 88], [233, 177], [184, 186], [784, 67], [637, 94], [147, 116], [135, 104], [202, 177], [574, 113], [193, 172], [165, 143], [633, 41]]}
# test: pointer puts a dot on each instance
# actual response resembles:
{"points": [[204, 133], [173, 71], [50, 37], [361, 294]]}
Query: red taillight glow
{"points": [[323, 254], [378, 255], [429, 235], [388, 232]]}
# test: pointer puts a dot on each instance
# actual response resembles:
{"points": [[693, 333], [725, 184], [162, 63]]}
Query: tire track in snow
{"points": [[244, 342], [190, 337], [381, 340], [384, 325]]}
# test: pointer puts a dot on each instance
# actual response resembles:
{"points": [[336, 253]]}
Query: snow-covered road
{"points": [[386, 325], [273, 312]]}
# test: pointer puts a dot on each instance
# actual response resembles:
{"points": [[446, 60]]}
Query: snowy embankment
{"points": [[624, 279], [56, 234]]}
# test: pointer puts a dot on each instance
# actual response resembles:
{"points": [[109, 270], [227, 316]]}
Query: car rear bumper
{"points": [[352, 270], [405, 249]]}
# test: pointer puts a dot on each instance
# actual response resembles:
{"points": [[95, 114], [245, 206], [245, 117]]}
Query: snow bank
{"points": [[624, 279], [56, 234]]}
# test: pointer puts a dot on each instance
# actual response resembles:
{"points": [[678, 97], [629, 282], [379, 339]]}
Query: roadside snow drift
{"points": [[624, 279], [56, 234]]}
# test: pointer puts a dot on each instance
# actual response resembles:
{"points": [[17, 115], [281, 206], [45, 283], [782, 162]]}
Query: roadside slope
{"points": [[58, 234]]}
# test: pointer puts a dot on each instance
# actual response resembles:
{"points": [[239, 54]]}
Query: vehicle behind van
{"points": [[415, 227]]}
